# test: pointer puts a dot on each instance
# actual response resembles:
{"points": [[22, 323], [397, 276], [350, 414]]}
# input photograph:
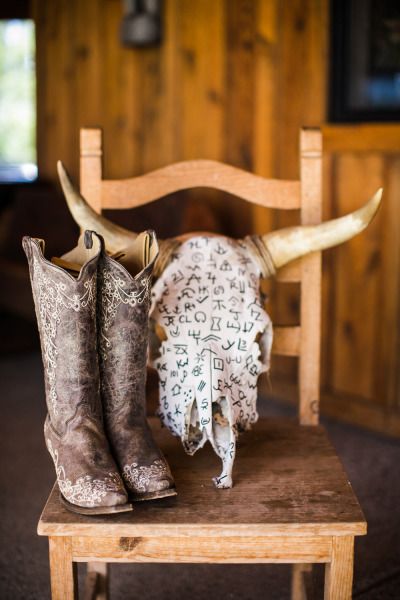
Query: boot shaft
{"points": [[124, 296], [66, 316]]}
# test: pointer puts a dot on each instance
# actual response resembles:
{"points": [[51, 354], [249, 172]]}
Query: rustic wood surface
{"points": [[362, 137], [129, 193], [342, 407], [165, 105], [288, 480], [310, 293], [339, 571], [63, 571], [119, 194], [269, 193], [287, 341], [218, 550]]}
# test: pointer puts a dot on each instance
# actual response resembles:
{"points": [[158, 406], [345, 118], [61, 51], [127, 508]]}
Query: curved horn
{"points": [[290, 243], [115, 237]]}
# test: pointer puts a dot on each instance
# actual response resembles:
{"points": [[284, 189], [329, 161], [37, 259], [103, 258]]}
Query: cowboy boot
{"points": [[65, 306], [123, 310]]}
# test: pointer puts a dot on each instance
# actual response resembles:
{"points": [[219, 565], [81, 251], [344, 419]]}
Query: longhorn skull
{"points": [[214, 335]]}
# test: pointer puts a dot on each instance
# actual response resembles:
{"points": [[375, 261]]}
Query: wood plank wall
{"points": [[234, 80], [364, 275]]}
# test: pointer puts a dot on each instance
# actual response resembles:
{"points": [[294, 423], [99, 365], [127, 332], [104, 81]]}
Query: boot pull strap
{"points": [[88, 240], [146, 249]]}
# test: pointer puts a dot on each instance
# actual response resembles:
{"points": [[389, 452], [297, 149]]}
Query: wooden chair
{"points": [[291, 502]]}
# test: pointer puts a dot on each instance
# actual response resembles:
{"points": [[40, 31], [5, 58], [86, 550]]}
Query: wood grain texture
{"points": [[268, 78], [265, 100], [339, 572], [356, 309], [62, 569], [291, 273], [310, 307], [349, 409], [216, 550], [287, 341], [288, 482], [91, 152], [387, 366], [271, 193], [301, 84], [362, 137]]}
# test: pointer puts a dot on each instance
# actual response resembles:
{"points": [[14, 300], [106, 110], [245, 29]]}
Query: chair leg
{"points": [[339, 572], [63, 572], [299, 587], [96, 583]]}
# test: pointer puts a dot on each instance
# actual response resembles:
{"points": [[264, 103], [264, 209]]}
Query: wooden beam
{"points": [[363, 137]]}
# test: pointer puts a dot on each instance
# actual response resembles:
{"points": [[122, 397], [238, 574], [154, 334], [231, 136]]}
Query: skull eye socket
{"points": [[218, 410]]}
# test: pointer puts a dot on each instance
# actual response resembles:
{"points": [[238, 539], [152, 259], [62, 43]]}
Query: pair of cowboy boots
{"points": [[92, 314]]}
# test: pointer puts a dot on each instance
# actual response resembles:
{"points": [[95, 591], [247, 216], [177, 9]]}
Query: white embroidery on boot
{"points": [[52, 301], [113, 295], [86, 490], [139, 477]]}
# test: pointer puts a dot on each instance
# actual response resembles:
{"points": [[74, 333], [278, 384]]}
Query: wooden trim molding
{"points": [[362, 137], [341, 407]]}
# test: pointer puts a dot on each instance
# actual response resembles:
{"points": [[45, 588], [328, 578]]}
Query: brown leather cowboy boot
{"points": [[123, 309], [65, 306]]}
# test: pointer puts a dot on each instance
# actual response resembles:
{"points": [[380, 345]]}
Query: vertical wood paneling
{"points": [[201, 77], [121, 98], [302, 72], [241, 16], [86, 52], [265, 102], [240, 86], [234, 80], [356, 279], [387, 370]]}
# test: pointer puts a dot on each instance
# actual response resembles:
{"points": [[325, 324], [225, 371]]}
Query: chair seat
{"points": [[287, 481]]}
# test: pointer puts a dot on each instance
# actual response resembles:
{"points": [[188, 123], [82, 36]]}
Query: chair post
{"points": [[96, 583], [339, 572], [300, 572], [63, 572], [91, 153], [310, 312]]}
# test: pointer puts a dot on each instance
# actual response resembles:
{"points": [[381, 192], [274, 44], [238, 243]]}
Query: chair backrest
{"points": [[305, 194]]}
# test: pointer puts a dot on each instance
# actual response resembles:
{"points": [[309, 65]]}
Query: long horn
{"points": [[290, 243], [115, 237]]}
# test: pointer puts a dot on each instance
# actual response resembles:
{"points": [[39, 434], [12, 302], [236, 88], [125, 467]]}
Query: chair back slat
{"points": [[269, 193], [291, 273], [302, 341], [287, 341]]}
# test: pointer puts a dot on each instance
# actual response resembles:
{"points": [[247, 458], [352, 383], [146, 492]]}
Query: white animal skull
{"points": [[207, 301]]}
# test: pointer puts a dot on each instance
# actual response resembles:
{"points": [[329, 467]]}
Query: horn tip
{"points": [[60, 167], [370, 209], [376, 201]]}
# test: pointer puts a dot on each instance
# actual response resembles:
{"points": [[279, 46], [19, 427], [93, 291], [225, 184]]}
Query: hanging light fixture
{"points": [[141, 23]]}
